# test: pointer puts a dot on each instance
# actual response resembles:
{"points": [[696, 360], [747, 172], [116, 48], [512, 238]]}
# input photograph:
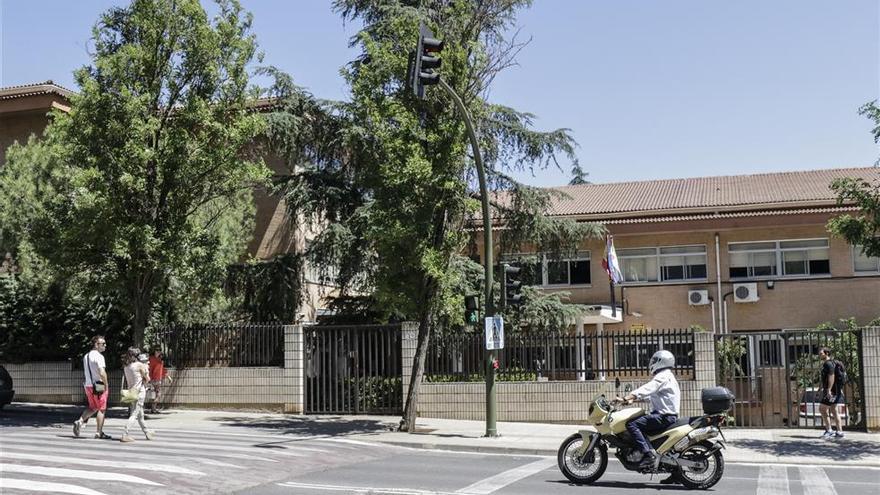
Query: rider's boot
{"points": [[649, 461]]}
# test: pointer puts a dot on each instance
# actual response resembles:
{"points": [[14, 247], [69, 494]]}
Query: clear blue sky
{"points": [[650, 89]]}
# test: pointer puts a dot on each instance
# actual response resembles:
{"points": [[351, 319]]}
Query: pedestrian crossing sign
{"points": [[494, 333]]}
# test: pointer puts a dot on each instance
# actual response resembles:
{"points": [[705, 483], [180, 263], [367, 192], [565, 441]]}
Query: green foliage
{"points": [[728, 352], [270, 291], [503, 375], [376, 392], [145, 184], [48, 323], [863, 228], [392, 175]]}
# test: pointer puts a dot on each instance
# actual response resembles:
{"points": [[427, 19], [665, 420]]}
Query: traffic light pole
{"points": [[491, 402]]}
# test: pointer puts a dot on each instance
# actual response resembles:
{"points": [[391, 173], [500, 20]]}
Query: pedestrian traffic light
{"points": [[425, 62], [471, 310], [510, 287]]}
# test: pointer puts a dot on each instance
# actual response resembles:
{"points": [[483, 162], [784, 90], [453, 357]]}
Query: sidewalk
{"points": [[758, 446]]}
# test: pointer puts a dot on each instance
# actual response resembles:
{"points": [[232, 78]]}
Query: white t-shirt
{"points": [[133, 376], [95, 361]]}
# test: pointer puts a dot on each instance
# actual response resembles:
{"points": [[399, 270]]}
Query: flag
{"points": [[610, 263]]}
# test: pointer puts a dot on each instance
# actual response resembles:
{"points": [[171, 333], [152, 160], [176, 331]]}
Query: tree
{"points": [[390, 176], [150, 172], [863, 228]]}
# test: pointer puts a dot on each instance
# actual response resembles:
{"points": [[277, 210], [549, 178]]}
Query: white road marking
{"points": [[143, 453], [74, 473], [816, 482], [501, 480], [773, 480], [154, 446], [364, 489], [46, 487], [349, 441], [112, 464], [290, 444]]}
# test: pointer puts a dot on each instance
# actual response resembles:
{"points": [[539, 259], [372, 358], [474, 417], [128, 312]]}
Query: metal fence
{"points": [[353, 369], [775, 376], [200, 346], [529, 356]]}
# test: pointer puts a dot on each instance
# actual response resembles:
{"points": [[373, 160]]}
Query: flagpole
{"points": [[613, 305]]}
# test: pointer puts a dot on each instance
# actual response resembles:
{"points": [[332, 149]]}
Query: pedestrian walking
{"points": [[831, 392], [158, 374], [137, 375], [95, 386]]}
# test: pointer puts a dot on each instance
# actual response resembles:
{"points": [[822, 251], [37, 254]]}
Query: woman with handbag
{"points": [[137, 375]]}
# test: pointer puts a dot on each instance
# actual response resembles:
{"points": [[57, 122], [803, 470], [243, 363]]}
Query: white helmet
{"points": [[660, 361]]}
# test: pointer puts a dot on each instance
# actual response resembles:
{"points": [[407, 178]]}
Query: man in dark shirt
{"points": [[830, 395]]}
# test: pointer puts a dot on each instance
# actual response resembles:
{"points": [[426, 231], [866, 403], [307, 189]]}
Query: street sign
{"points": [[638, 327], [494, 333]]}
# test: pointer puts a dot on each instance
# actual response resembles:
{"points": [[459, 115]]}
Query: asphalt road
{"points": [[39, 454], [427, 472]]}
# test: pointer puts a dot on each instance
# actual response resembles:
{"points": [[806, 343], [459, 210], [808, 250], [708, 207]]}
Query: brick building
{"points": [[24, 111], [731, 253]]}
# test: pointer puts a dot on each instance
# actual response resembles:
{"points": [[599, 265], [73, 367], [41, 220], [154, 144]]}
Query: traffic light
{"points": [[425, 62], [510, 287], [471, 310]]}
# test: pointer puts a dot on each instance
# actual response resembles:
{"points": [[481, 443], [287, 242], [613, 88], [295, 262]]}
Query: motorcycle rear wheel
{"points": [[577, 471], [709, 475]]}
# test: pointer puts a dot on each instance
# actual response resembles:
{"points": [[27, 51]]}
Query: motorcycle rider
{"points": [[665, 397]]}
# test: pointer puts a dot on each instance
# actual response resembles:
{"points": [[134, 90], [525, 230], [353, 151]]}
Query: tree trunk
{"points": [[142, 302], [408, 422]]}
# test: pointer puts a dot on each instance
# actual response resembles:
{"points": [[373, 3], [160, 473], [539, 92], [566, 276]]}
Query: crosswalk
{"points": [[52, 460]]}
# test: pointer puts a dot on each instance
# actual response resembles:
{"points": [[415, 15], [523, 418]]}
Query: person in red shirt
{"points": [[158, 374]]}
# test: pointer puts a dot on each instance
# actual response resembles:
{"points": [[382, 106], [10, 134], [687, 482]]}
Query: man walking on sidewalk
{"points": [[95, 385], [831, 393]]}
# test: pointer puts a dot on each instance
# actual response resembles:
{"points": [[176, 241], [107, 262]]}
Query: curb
{"points": [[481, 449]]}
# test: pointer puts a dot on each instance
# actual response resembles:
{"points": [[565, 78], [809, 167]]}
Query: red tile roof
{"points": [[35, 89], [702, 194]]}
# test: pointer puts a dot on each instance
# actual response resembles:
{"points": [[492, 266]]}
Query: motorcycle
{"points": [[688, 449]]}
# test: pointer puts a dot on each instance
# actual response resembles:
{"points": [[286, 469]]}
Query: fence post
{"points": [[704, 367], [409, 334], [871, 376], [294, 362]]}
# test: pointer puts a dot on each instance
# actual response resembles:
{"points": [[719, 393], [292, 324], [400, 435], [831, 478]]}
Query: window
{"points": [[541, 270], [638, 354], [862, 263], [664, 264], [803, 257]]}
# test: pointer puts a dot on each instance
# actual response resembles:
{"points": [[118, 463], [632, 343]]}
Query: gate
{"points": [[776, 376], [353, 369]]}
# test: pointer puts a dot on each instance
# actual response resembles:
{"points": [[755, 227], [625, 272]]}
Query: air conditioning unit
{"points": [[745, 293], [698, 297]]}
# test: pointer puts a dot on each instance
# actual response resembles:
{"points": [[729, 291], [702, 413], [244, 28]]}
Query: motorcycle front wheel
{"points": [[574, 463], [706, 475]]}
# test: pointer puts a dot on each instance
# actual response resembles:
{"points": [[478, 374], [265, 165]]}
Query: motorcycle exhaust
{"points": [[696, 436]]}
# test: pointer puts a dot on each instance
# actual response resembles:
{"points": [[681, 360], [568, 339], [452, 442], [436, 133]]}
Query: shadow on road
{"points": [[625, 485], [829, 449], [312, 426], [49, 415]]}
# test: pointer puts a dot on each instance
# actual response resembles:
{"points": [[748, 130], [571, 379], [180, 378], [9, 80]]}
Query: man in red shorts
{"points": [[95, 385]]}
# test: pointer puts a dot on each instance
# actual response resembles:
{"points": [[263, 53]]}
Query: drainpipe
{"points": [[714, 331], [721, 319]]}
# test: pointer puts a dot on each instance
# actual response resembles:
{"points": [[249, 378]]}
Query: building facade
{"points": [[738, 253]]}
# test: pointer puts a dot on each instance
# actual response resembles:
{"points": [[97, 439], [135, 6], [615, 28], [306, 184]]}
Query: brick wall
{"points": [[274, 388], [871, 367], [555, 402]]}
